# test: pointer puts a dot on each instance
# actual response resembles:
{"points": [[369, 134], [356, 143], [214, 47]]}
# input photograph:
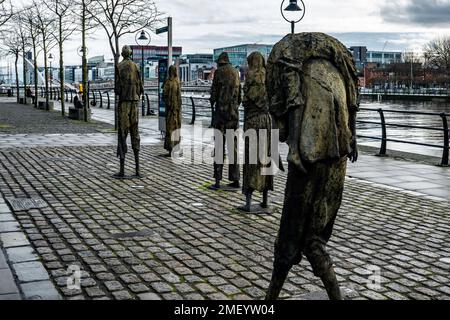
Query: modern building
{"points": [[384, 57], [238, 54], [359, 55], [151, 55], [154, 53], [363, 56], [194, 67]]}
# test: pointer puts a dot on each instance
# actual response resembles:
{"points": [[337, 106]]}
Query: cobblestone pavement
{"points": [[25, 119], [168, 237]]}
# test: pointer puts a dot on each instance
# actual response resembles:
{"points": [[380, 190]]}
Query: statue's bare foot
{"points": [[119, 175]]}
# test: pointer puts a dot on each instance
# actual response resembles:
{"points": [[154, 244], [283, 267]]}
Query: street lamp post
{"points": [[293, 7], [50, 59], [143, 40]]}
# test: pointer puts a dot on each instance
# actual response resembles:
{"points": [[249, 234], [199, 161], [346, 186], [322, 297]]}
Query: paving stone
{"points": [[122, 295], [13, 239], [7, 283], [3, 263], [14, 296], [161, 287], [148, 296], [40, 290], [30, 271], [21, 254], [6, 217]]}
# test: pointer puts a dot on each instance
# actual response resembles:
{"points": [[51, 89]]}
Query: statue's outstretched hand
{"points": [[353, 155]]}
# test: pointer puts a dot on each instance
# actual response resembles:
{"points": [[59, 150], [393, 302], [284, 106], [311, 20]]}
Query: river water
{"points": [[407, 134]]}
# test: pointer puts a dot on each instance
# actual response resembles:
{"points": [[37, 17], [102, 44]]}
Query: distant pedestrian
{"points": [[78, 101]]}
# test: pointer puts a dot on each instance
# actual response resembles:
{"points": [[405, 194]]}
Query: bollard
{"points": [[193, 110], [94, 101], [445, 155], [383, 133]]}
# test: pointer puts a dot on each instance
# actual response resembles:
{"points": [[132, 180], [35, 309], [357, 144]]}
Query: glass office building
{"points": [[238, 54]]}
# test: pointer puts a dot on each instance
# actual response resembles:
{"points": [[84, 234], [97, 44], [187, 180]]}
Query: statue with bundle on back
{"points": [[312, 89]]}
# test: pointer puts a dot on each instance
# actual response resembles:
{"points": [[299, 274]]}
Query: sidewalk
{"points": [[167, 237]]}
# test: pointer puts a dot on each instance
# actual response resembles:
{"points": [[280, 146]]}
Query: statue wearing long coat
{"points": [[257, 118], [172, 99]]}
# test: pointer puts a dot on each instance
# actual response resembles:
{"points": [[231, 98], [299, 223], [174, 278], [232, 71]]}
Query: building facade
{"points": [[238, 54], [193, 67], [151, 55]]}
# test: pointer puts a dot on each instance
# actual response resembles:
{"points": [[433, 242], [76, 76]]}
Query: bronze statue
{"points": [[225, 100], [312, 88], [129, 88], [172, 99], [257, 119]]}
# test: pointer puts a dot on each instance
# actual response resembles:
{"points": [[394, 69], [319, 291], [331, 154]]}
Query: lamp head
{"points": [[293, 6]]}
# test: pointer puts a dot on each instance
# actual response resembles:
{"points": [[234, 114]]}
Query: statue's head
{"points": [[173, 72], [256, 61], [223, 59], [126, 52]]}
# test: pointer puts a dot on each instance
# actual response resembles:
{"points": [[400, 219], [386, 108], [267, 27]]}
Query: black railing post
{"points": [[212, 116], [109, 101], [193, 110], [94, 101], [66, 94], [101, 98], [446, 142], [149, 110], [383, 133], [71, 96]]}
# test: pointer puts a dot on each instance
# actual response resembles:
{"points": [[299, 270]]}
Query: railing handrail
{"points": [[384, 138], [424, 113]]}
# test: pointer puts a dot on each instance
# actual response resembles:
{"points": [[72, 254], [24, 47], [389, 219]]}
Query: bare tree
{"points": [[31, 26], [437, 53], [122, 17], [6, 11], [11, 46], [45, 25], [20, 21], [61, 10]]}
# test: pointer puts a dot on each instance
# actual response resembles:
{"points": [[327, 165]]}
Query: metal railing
{"points": [[436, 92], [385, 139]]}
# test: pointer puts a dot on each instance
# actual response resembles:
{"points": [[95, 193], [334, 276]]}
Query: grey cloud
{"points": [[421, 12]]}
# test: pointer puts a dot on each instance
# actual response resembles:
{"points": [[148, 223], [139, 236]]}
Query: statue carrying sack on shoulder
{"points": [[313, 94]]}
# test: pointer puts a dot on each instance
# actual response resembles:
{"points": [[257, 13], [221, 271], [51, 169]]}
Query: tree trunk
{"points": [[36, 71], [47, 98], [61, 69], [24, 74], [17, 75], [84, 62]]}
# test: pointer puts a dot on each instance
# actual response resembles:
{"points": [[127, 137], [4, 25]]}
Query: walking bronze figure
{"points": [[172, 98], [225, 99], [258, 120], [312, 87], [129, 88]]}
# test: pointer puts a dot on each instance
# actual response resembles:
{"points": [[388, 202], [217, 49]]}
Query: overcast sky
{"points": [[202, 25]]}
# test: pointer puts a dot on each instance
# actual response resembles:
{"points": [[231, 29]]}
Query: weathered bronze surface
{"points": [[225, 99], [172, 99], [257, 118], [129, 88], [312, 87]]}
